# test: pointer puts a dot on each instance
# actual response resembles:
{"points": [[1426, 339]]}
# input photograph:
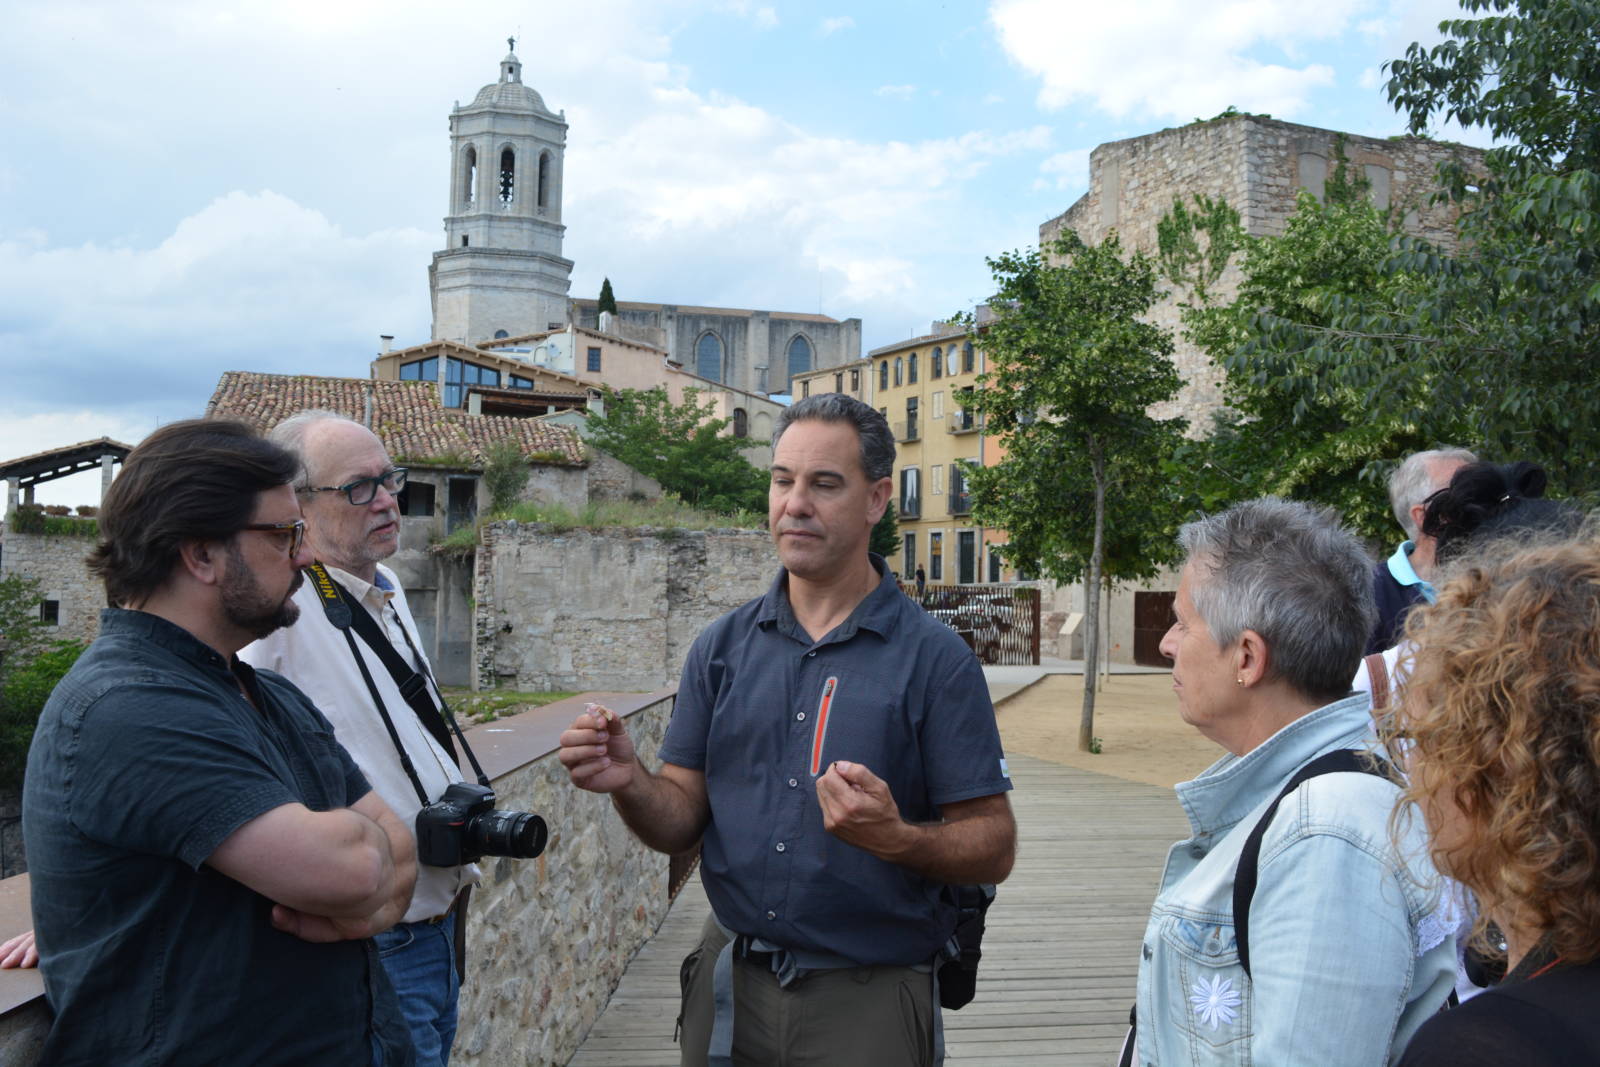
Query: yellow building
{"points": [[921, 386]]}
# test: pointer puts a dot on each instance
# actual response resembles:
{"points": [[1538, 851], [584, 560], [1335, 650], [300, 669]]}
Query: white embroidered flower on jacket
{"points": [[1215, 1000]]}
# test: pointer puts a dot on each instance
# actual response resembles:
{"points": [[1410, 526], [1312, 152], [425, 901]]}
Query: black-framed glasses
{"points": [[362, 490], [296, 531]]}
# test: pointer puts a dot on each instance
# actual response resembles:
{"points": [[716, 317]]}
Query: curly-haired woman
{"points": [[1502, 708]]}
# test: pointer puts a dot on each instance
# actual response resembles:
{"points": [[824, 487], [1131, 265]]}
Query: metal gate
{"points": [[1000, 623]]}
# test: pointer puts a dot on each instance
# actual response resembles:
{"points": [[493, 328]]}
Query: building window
{"points": [[594, 360], [519, 382], [936, 362], [883, 375], [935, 556], [968, 358], [420, 370], [994, 564], [708, 357], [500, 335], [50, 612], [741, 423], [910, 493], [464, 241], [459, 375], [911, 369], [544, 180], [950, 366], [508, 176], [417, 499], [469, 178], [966, 556], [899, 371], [938, 403], [911, 418], [799, 356], [908, 557], [936, 480], [960, 500], [855, 380], [838, 382], [805, 388]]}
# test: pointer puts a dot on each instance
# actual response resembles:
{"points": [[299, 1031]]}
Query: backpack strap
{"points": [[1378, 681], [1244, 878]]}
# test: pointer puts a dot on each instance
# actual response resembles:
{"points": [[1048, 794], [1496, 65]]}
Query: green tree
{"points": [[505, 473], [886, 533], [682, 447], [608, 300], [1073, 371], [30, 666]]}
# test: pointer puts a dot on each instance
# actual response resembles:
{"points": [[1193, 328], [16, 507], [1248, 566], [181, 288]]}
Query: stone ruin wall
{"points": [[1258, 166], [614, 609]]}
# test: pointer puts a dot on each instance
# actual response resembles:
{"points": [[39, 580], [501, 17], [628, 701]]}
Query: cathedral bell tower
{"points": [[501, 273]]}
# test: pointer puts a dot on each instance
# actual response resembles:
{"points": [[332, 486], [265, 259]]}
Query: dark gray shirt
{"points": [[762, 710], [146, 758]]}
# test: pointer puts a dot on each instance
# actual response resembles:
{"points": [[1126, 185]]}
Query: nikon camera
{"points": [[462, 827]]}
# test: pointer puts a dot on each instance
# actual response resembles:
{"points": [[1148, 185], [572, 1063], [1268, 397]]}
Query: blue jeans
{"points": [[421, 961]]}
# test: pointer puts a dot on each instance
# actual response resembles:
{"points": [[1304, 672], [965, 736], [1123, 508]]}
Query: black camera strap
{"points": [[412, 683], [341, 614]]}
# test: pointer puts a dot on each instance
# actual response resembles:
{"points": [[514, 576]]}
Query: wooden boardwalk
{"points": [[1059, 958]]}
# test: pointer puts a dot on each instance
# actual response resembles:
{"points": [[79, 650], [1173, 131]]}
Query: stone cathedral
{"points": [[501, 273]]}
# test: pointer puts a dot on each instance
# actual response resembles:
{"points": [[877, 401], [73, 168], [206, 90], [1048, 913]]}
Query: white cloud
{"points": [[1168, 58], [899, 92], [1065, 170], [834, 25]]}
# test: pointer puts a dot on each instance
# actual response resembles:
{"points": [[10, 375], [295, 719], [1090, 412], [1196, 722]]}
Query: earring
{"points": [[1239, 681]]}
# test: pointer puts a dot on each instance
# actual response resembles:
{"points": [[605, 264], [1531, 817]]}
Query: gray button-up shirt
{"points": [[762, 710]]}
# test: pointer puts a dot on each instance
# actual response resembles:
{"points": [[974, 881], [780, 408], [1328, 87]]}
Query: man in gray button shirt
{"points": [[834, 751]]}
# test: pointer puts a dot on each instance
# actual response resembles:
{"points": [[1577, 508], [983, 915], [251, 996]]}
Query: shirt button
{"points": [[1146, 947], [780, 846], [813, 652], [772, 915], [793, 782], [800, 716]]}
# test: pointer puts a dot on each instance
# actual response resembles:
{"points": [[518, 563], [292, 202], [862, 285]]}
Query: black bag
{"points": [[958, 974]]}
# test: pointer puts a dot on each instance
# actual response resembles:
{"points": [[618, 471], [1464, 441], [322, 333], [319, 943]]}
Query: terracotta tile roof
{"points": [[406, 416]]}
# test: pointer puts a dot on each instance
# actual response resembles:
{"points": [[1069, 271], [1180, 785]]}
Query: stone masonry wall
{"points": [[58, 564], [1257, 165], [548, 938], [615, 609]]}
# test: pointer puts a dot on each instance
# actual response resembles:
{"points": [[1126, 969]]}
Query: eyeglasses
{"points": [[362, 490], [296, 531]]}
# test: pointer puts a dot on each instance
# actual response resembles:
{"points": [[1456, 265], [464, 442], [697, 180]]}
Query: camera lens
{"points": [[506, 833]]}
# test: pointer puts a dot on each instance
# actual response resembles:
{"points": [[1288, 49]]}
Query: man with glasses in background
{"points": [[347, 489], [208, 865]]}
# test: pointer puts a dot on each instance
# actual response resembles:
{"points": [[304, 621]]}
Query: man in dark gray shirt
{"points": [[835, 751], [207, 864]]}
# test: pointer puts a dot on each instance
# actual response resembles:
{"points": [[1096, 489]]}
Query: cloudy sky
{"points": [[188, 188]]}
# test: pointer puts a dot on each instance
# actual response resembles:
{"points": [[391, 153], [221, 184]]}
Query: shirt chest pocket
{"points": [[319, 770], [840, 714], [1206, 991]]}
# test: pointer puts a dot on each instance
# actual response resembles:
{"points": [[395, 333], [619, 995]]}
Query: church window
{"points": [[469, 176], [508, 176], [464, 241], [544, 180], [708, 357], [936, 362], [498, 334], [911, 369], [741, 423], [799, 355]]}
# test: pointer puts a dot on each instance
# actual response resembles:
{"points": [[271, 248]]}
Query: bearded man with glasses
{"points": [[208, 865], [348, 490]]}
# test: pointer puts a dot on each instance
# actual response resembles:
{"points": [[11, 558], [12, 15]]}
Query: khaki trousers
{"points": [[851, 1017]]}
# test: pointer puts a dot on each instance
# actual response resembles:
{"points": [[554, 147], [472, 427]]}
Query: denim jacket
{"points": [[1347, 956]]}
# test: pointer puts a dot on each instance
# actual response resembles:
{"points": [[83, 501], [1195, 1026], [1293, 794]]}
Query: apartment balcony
{"points": [[960, 503], [907, 431], [963, 422]]}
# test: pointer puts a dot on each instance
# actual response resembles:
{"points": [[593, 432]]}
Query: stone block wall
{"points": [[58, 564], [613, 609], [1258, 165]]}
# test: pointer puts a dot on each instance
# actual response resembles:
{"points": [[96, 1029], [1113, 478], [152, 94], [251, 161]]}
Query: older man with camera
{"points": [[208, 865], [356, 653]]}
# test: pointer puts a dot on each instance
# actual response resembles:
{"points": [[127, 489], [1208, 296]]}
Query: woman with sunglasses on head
{"points": [[1502, 715]]}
